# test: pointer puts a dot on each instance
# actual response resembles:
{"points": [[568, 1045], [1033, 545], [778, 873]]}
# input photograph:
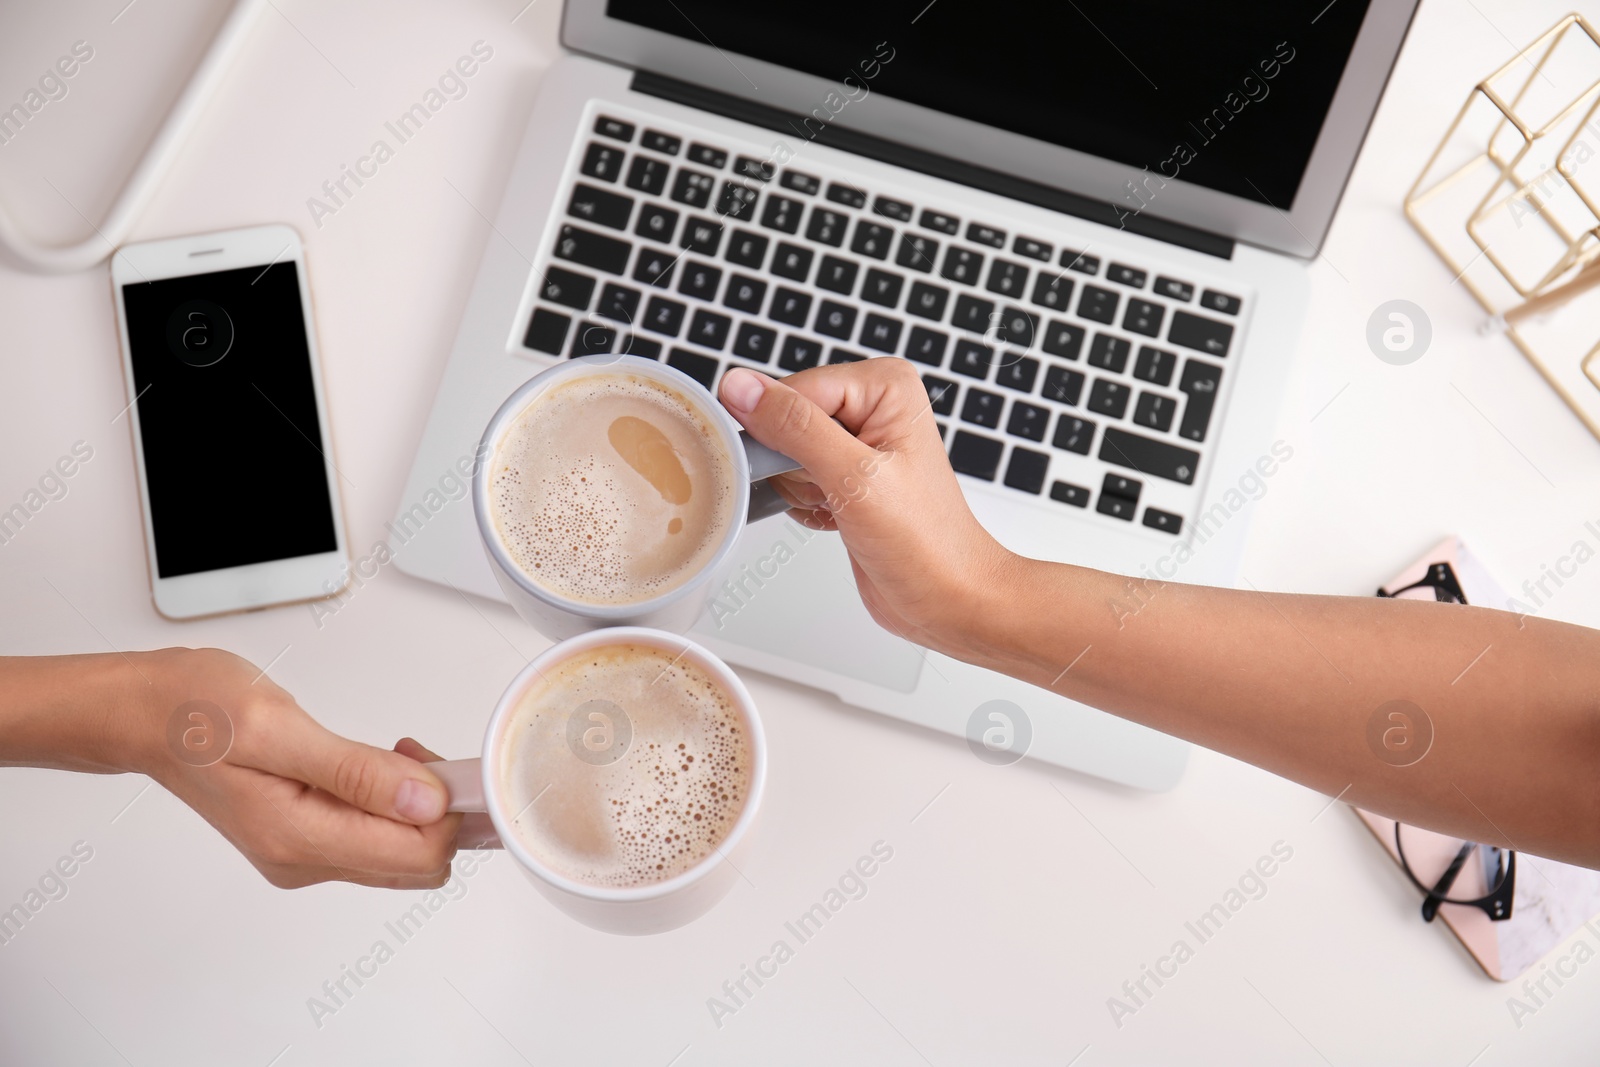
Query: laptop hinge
{"points": [[886, 151]]}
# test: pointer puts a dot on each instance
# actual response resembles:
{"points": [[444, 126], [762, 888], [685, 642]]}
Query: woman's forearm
{"points": [[1293, 683], [77, 713]]}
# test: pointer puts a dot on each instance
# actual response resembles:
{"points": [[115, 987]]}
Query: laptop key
{"points": [[986, 235], [962, 265], [593, 250], [1017, 373], [881, 333], [616, 129], [898, 210], [643, 347], [1063, 339], [1199, 383], [702, 369], [745, 294], [602, 161], [841, 355], [926, 346], [664, 143], [974, 456], [700, 280], [1098, 305], [567, 287], [837, 275], [941, 394], [706, 156], [1073, 434], [1108, 398], [800, 183], [1143, 317], [692, 187], [1117, 507], [982, 408], [1212, 300], [664, 316], [654, 268], [781, 213], [789, 307], [618, 302], [972, 314], [1026, 470], [656, 222], [826, 227], [597, 205], [1017, 327], [547, 332], [882, 288], [1073, 260], [1109, 353], [1154, 365], [747, 249], [750, 167], [917, 252], [1149, 456], [972, 359], [835, 320], [592, 339], [792, 262], [1028, 421], [872, 240], [1165, 521], [1126, 275], [1051, 292], [799, 353], [754, 342], [1121, 485], [848, 195], [1201, 334], [737, 202], [926, 300], [1027, 246], [648, 175], [1155, 411], [1067, 493], [1172, 287], [702, 235], [935, 220], [1007, 278], [1063, 385]]}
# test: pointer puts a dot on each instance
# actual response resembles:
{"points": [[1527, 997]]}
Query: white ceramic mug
{"points": [[557, 616], [477, 785]]}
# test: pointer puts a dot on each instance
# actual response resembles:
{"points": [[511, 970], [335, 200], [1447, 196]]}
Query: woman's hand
{"points": [[875, 470], [302, 804]]}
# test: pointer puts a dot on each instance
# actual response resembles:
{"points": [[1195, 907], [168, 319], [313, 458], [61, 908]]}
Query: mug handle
{"points": [[764, 463], [463, 781]]}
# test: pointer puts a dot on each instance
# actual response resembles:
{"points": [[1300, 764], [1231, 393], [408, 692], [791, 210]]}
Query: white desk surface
{"points": [[1016, 903]]}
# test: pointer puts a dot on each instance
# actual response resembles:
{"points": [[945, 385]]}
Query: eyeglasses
{"points": [[1441, 578], [1452, 871]]}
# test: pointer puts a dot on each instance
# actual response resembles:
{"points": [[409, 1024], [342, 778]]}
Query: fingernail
{"points": [[742, 389], [418, 801]]}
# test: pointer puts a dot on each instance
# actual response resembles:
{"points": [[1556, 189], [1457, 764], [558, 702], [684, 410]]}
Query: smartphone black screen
{"points": [[228, 419]]}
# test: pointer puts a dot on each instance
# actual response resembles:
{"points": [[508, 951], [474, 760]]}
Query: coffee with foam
{"points": [[653, 795], [611, 488]]}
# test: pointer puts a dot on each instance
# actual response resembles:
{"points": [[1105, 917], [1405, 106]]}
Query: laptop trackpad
{"points": [[789, 592]]}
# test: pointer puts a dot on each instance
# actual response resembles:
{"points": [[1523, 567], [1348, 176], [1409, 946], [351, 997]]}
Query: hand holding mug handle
{"points": [[463, 781], [764, 463]]}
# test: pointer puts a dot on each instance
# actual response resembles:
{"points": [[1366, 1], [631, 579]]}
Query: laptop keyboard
{"points": [[1076, 379]]}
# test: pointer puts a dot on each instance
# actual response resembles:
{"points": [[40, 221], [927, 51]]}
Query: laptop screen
{"points": [[1227, 96]]}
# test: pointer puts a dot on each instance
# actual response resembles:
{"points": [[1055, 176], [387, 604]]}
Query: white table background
{"points": [[1014, 906]]}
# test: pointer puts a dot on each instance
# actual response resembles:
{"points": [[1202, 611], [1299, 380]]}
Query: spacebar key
{"points": [[593, 249], [1148, 456]]}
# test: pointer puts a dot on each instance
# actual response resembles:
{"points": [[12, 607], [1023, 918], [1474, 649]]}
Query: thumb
{"points": [[384, 783], [781, 418]]}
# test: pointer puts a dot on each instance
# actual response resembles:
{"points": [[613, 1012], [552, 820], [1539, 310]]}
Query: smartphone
{"points": [[230, 433]]}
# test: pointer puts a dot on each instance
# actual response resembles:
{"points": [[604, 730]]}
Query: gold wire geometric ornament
{"points": [[1521, 165]]}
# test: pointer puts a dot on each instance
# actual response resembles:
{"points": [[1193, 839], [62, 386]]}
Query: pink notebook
{"points": [[1552, 900]]}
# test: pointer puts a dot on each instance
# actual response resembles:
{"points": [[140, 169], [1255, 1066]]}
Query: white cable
{"points": [[152, 166]]}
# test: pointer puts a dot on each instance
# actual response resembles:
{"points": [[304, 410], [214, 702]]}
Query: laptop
{"points": [[1087, 225]]}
